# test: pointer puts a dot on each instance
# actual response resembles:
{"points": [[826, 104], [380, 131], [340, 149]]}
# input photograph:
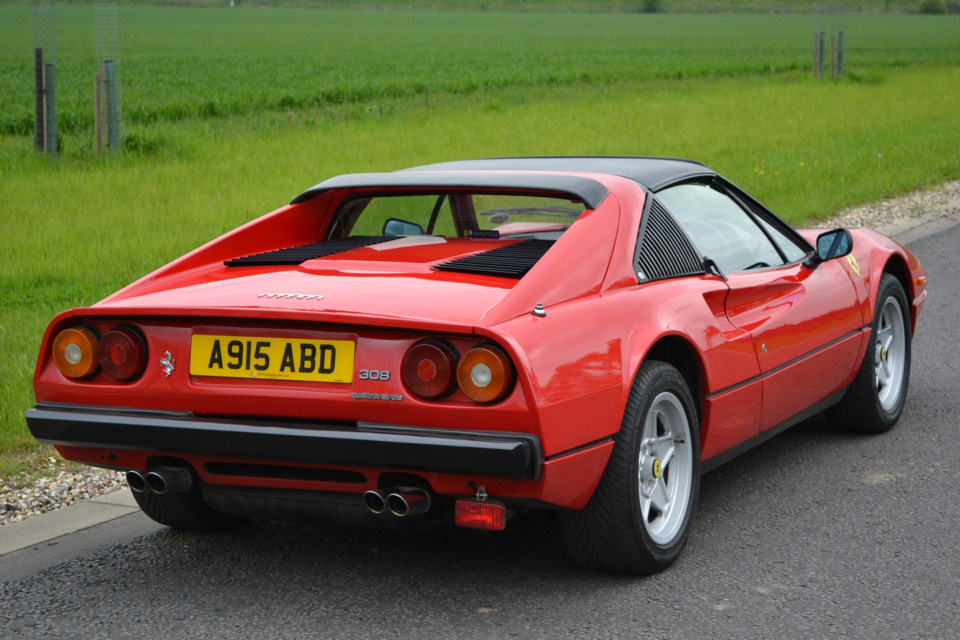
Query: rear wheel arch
{"points": [[684, 357], [639, 517]]}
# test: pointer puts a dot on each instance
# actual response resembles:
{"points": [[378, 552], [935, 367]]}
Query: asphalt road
{"points": [[815, 534]]}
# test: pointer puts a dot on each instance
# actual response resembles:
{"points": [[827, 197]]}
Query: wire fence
{"points": [[829, 29], [45, 71], [107, 122]]}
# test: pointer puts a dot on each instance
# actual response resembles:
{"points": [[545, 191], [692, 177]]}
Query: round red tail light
{"points": [[485, 374], [123, 353], [429, 368], [75, 352]]}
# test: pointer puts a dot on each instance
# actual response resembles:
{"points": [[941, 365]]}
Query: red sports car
{"points": [[464, 341]]}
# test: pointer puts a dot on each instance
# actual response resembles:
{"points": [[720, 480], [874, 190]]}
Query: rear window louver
{"points": [[665, 251], [510, 261], [302, 253]]}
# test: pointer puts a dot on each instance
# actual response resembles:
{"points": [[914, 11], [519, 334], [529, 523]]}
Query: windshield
{"points": [[489, 215]]}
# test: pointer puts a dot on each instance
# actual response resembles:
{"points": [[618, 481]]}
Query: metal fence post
{"points": [[113, 106], [41, 112], [50, 120]]}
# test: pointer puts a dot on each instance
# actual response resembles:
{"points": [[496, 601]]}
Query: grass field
{"points": [[180, 63], [79, 228], [556, 6]]}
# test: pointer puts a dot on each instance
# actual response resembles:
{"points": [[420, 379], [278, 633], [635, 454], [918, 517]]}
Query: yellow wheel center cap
{"points": [[657, 468]]}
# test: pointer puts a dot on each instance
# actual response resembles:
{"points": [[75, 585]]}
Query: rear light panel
{"points": [[433, 369], [80, 352]]}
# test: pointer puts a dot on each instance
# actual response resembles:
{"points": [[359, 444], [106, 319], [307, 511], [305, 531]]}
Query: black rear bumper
{"points": [[485, 453]]}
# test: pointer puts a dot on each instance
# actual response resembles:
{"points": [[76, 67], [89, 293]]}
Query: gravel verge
{"points": [[61, 487], [898, 214]]}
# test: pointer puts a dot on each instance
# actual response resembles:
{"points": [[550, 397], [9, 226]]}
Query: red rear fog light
{"points": [[490, 515]]}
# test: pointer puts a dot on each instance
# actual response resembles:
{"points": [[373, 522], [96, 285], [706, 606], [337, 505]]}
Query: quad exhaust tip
{"points": [[401, 501], [407, 502], [138, 484], [160, 480], [375, 501]]}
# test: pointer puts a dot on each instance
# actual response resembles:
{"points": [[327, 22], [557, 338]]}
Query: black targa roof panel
{"points": [[587, 190], [652, 173]]}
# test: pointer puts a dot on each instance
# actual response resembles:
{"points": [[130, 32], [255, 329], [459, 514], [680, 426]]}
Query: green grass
{"points": [[555, 6], [178, 63]]}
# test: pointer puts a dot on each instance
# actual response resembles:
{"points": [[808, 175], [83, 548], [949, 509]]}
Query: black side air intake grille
{"points": [[665, 251], [304, 252], [510, 261]]}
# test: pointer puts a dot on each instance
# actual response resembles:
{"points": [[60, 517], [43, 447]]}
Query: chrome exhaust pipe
{"points": [[169, 480], [408, 501], [375, 501], [138, 484]]}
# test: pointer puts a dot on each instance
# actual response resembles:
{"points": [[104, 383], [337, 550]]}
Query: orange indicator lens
{"points": [[485, 374], [75, 352]]}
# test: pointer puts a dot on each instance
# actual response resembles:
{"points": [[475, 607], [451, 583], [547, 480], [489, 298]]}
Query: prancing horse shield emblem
{"points": [[167, 363]]}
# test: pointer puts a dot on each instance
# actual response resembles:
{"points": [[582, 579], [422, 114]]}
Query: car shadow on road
{"points": [[530, 548]]}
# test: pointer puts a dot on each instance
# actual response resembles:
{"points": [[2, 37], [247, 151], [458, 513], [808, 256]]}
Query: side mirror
{"points": [[398, 227], [831, 244]]}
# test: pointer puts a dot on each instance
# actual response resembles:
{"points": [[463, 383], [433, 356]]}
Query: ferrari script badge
{"points": [[290, 296], [167, 363]]}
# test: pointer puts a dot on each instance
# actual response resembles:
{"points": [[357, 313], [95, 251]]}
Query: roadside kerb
{"points": [[88, 513]]}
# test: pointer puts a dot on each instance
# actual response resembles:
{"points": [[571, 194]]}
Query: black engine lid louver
{"points": [[302, 253], [665, 251], [510, 261]]}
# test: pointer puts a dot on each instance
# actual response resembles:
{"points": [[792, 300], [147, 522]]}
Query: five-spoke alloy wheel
{"points": [[665, 468]]}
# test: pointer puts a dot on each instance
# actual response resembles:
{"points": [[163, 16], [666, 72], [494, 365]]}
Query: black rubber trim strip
{"points": [[501, 454], [647, 171], [760, 376], [583, 447], [763, 436]]}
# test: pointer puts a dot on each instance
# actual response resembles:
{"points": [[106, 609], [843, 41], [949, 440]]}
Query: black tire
{"points": [[874, 402], [182, 511], [612, 532]]}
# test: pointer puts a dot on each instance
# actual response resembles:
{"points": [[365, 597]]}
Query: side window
{"points": [[720, 229], [791, 249]]}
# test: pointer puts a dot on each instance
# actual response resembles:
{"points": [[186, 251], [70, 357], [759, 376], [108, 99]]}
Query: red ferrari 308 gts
{"points": [[465, 341]]}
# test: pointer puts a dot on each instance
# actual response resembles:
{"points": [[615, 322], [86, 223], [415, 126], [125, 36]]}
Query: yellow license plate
{"points": [[272, 358]]}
